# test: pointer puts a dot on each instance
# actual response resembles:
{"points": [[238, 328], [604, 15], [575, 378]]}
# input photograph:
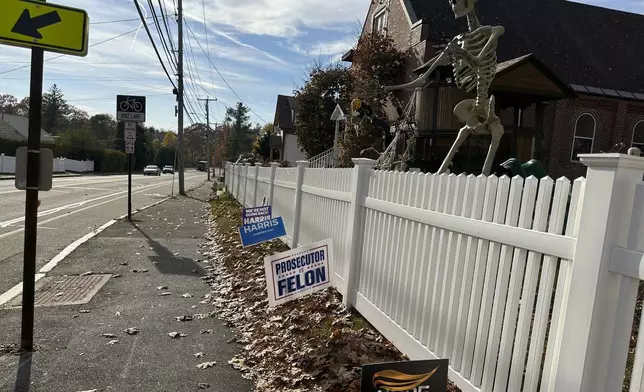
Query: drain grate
{"points": [[66, 290]]}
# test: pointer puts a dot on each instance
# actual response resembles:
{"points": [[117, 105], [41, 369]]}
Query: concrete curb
{"points": [[54, 176]]}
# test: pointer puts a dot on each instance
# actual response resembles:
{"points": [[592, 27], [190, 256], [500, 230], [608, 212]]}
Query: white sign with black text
{"points": [[130, 131], [129, 146], [298, 272]]}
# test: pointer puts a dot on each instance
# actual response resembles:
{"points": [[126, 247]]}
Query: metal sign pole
{"points": [[129, 187], [31, 205]]}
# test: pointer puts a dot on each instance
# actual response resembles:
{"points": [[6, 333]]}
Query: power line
{"points": [[112, 97], [195, 66], [205, 27], [164, 44], [222, 77], [118, 21], [138, 8], [165, 15], [62, 55]]}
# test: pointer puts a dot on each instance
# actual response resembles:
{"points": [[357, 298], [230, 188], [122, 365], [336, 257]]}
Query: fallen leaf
{"points": [[59, 294], [205, 331], [207, 365], [108, 335], [162, 287], [89, 390], [183, 318], [116, 276], [131, 331], [112, 342], [123, 263], [117, 314], [83, 311], [198, 355], [87, 273], [176, 335], [139, 271], [203, 385], [166, 293], [187, 295]]}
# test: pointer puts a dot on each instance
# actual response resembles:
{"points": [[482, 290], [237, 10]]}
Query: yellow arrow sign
{"points": [[52, 27]]}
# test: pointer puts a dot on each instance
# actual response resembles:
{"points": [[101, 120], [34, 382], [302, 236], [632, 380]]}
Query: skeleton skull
{"points": [[462, 7]]}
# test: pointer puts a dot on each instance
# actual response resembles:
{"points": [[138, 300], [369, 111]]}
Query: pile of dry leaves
{"points": [[310, 344]]}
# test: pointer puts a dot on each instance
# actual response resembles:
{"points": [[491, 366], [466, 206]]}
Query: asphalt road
{"points": [[74, 207]]}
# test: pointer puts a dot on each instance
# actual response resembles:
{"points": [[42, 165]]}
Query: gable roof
{"points": [[283, 112], [14, 127], [582, 44]]}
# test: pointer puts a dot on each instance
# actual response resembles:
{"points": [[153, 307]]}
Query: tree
{"points": [[241, 136], [77, 118], [54, 110], [22, 109], [169, 140], [376, 62], [8, 104], [261, 146], [103, 126], [316, 99]]}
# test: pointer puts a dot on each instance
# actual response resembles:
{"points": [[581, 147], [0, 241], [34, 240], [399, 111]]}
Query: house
{"points": [[15, 128], [569, 79], [284, 140]]}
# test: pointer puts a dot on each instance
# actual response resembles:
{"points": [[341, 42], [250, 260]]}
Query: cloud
{"points": [[280, 18], [331, 48]]}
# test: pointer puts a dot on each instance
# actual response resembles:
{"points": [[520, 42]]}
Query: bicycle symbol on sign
{"points": [[131, 104]]}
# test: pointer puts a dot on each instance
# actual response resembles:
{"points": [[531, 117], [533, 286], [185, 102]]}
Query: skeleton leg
{"points": [[496, 130], [462, 136]]}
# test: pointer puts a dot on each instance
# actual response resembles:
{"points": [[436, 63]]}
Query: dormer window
{"points": [[380, 22]]}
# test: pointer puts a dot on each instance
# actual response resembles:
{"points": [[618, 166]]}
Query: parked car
{"points": [[168, 169], [151, 170]]}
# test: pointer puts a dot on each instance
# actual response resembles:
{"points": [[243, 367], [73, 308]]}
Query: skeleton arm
{"points": [[442, 58]]}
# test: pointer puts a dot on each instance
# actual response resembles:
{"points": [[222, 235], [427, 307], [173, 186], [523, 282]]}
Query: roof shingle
{"points": [[583, 44]]}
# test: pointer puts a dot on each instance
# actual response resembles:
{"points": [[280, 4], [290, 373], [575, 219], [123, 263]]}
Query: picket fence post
{"points": [[255, 186], [246, 166], [297, 209], [271, 185], [355, 226], [1, 163], [592, 349], [238, 167]]}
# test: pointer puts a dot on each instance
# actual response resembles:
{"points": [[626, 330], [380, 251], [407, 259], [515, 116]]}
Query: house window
{"points": [[638, 135], [380, 22], [584, 136]]}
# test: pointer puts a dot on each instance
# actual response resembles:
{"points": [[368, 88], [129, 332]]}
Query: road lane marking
{"points": [[15, 291], [70, 248], [86, 208], [77, 204]]}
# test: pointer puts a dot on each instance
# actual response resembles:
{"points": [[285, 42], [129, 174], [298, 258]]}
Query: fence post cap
{"points": [[275, 164], [612, 160], [363, 162], [303, 163]]}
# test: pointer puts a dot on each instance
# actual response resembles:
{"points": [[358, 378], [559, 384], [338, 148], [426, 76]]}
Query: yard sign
{"points": [[298, 272]]}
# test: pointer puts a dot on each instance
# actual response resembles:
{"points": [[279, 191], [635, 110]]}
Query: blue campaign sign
{"points": [[256, 214], [256, 233]]}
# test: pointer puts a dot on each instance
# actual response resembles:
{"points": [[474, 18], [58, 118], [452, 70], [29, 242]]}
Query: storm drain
{"points": [[66, 290]]}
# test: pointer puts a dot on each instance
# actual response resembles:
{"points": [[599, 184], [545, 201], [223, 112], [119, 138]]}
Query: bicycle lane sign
{"points": [[130, 108]]}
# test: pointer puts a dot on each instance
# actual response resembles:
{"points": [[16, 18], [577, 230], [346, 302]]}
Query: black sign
{"points": [[130, 108], [409, 376]]}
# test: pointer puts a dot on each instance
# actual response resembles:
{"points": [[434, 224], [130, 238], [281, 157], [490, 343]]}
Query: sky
{"points": [[254, 49]]}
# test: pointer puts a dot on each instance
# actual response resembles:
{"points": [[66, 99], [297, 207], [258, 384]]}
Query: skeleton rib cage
{"points": [[475, 76]]}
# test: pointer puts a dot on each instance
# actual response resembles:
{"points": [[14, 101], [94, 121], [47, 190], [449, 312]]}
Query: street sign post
{"points": [[40, 26], [52, 27], [130, 108], [130, 141]]}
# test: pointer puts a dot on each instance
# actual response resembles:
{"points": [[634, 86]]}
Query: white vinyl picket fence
{"points": [[60, 165], [524, 285]]}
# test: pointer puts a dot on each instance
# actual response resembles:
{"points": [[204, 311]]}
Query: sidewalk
{"points": [[161, 248]]}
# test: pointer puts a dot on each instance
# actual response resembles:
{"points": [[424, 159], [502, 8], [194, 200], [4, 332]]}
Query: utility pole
{"points": [[208, 133], [182, 190]]}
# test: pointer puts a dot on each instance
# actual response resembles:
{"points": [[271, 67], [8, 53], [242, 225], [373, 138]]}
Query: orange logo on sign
{"points": [[392, 380]]}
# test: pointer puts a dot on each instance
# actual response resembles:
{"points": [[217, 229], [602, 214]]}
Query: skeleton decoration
{"points": [[473, 58]]}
